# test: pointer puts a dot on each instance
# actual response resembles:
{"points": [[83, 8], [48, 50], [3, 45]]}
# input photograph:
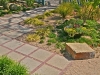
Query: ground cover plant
{"points": [[10, 67]]}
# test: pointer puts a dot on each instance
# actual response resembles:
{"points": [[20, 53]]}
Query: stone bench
{"points": [[80, 50]]}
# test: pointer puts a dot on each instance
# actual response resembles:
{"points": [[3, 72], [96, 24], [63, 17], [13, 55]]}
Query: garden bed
{"points": [[55, 45]]}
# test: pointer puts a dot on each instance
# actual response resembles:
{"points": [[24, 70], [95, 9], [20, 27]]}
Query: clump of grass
{"points": [[40, 16], [52, 35], [10, 67], [47, 13], [34, 21], [52, 40], [33, 38]]}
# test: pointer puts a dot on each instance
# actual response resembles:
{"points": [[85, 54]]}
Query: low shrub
{"points": [[34, 21], [89, 12], [10, 67], [40, 16], [47, 13], [43, 32], [52, 40], [65, 9], [30, 2], [41, 41], [33, 38], [52, 35]]}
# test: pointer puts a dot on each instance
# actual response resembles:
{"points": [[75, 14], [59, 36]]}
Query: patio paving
{"points": [[37, 61]]}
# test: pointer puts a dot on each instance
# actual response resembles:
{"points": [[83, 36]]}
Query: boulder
{"points": [[80, 50]]}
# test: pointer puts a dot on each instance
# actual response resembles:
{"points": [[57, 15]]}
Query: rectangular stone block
{"points": [[80, 50]]}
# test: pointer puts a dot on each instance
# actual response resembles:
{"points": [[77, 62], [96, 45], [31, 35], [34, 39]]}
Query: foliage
{"points": [[75, 26], [4, 3], [34, 21], [89, 12], [43, 32], [47, 13], [41, 41], [13, 7], [52, 35], [33, 38], [40, 16], [30, 2], [65, 9], [52, 40], [60, 45], [10, 67], [17, 69]]}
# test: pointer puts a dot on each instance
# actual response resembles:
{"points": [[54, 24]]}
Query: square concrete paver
{"points": [[30, 63], [41, 55], [16, 15], [20, 28], [13, 44], [26, 49], [4, 30], [2, 22], [15, 56], [58, 61], [3, 50], [16, 20], [4, 39], [47, 70], [12, 34]]}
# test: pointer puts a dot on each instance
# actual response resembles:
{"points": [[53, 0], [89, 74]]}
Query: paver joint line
{"points": [[10, 33]]}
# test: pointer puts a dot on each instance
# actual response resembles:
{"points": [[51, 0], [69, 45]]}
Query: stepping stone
{"points": [[59, 62], [15, 56], [16, 20], [80, 50], [47, 70], [12, 34], [30, 63], [3, 50], [41, 55], [13, 44]]}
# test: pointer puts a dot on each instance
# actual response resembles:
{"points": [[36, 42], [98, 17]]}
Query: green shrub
{"points": [[4, 3], [43, 32], [34, 21], [52, 40], [5, 64], [17, 69], [41, 41], [89, 12], [49, 43], [47, 13], [33, 38], [52, 35], [10, 67], [13, 7], [65, 9], [30, 2], [40, 16], [59, 45]]}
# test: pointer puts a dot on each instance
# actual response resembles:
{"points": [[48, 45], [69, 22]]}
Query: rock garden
{"points": [[73, 23]]}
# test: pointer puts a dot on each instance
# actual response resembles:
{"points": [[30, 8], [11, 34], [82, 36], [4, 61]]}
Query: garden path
{"points": [[38, 61]]}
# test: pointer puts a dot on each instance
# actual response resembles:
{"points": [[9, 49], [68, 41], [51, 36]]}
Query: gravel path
{"points": [[85, 67]]}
